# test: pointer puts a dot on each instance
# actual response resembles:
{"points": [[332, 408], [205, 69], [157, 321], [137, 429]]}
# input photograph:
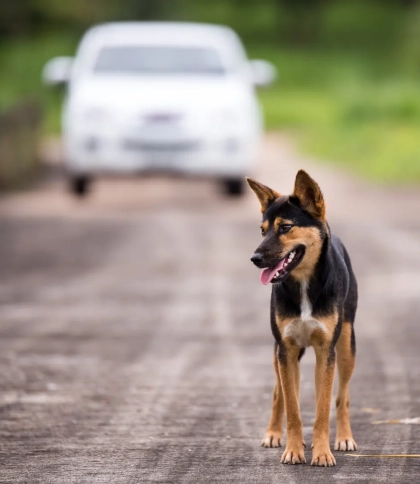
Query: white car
{"points": [[160, 96]]}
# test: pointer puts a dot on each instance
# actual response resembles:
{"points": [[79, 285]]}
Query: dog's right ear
{"points": [[264, 194]]}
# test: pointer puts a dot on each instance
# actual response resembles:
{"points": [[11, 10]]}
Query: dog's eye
{"points": [[285, 228], [262, 231]]}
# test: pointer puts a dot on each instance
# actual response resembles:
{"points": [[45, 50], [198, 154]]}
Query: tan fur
{"points": [[264, 194], [306, 330], [289, 374], [265, 225], [310, 237], [345, 363], [311, 199], [282, 322], [330, 321], [274, 432], [281, 221], [324, 380], [309, 195], [320, 339]]}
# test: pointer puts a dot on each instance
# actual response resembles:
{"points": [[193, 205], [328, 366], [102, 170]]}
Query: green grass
{"points": [[353, 110], [360, 110], [21, 63]]}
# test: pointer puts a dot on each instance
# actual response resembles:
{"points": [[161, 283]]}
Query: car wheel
{"points": [[234, 187], [79, 185]]}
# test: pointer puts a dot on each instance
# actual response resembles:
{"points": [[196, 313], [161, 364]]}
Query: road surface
{"points": [[135, 340]]}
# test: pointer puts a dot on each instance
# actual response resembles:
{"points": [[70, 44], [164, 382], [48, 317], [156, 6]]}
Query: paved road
{"points": [[135, 342]]}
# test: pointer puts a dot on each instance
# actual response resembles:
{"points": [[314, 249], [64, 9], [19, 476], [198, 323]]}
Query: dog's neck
{"points": [[305, 293]]}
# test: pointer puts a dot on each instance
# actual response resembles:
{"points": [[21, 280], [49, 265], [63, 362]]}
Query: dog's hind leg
{"points": [[345, 350], [297, 374], [274, 432], [297, 380]]}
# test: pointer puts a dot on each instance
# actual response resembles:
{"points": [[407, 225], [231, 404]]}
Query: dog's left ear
{"points": [[264, 194], [309, 195]]}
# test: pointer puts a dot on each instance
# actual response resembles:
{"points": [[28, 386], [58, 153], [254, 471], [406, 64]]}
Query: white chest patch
{"points": [[301, 329]]}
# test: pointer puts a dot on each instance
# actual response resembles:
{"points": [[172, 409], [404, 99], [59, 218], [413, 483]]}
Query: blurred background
{"points": [[134, 337], [348, 83]]}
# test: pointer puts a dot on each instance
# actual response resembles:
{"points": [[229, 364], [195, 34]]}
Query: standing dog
{"points": [[313, 303]]}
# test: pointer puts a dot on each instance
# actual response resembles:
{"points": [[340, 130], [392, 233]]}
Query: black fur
{"points": [[331, 286], [301, 353], [281, 350]]}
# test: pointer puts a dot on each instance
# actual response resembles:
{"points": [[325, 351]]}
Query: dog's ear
{"points": [[309, 195], [264, 194]]}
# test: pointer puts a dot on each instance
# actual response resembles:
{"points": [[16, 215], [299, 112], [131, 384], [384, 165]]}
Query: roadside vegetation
{"points": [[348, 89], [22, 61], [354, 110]]}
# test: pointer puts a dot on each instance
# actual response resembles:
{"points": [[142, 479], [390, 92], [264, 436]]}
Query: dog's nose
{"points": [[257, 258]]}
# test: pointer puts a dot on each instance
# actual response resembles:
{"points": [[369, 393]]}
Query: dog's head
{"points": [[293, 230]]}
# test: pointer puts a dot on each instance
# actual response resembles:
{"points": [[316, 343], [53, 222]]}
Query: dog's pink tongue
{"points": [[268, 274]]}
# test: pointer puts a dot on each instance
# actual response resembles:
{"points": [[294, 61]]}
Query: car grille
{"points": [[135, 145]]}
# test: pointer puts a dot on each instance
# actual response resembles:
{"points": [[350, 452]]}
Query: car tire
{"points": [[79, 186], [234, 187]]}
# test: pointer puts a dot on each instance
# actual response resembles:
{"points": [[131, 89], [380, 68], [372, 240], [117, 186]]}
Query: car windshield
{"points": [[158, 60]]}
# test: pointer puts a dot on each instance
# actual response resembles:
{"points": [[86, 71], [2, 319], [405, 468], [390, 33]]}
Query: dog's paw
{"points": [[293, 455], [272, 438], [322, 456], [345, 444]]}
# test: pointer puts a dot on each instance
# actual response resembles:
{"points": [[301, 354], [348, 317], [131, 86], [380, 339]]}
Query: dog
{"points": [[313, 303]]}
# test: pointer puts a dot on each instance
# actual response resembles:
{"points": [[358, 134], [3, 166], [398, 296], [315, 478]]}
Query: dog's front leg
{"points": [[289, 371], [274, 432], [324, 381]]}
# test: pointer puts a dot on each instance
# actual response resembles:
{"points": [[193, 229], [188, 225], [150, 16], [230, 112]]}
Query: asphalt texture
{"points": [[135, 344]]}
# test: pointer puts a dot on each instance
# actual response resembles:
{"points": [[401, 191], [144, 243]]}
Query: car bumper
{"points": [[227, 156]]}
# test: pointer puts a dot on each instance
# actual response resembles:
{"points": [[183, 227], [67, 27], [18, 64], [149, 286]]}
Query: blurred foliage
{"points": [[34, 16], [349, 70], [22, 60], [300, 22], [19, 127], [355, 111]]}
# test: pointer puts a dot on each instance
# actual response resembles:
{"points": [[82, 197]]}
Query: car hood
{"points": [[155, 93]]}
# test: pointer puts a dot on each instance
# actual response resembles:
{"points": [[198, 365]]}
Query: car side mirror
{"points": [[263, 73], [57, 71]]}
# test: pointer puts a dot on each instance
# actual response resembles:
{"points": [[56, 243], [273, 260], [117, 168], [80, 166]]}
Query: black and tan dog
{"points": [[313, 303]]}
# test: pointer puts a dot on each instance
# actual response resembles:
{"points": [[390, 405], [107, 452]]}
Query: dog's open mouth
{"points": [[283, 268]]}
